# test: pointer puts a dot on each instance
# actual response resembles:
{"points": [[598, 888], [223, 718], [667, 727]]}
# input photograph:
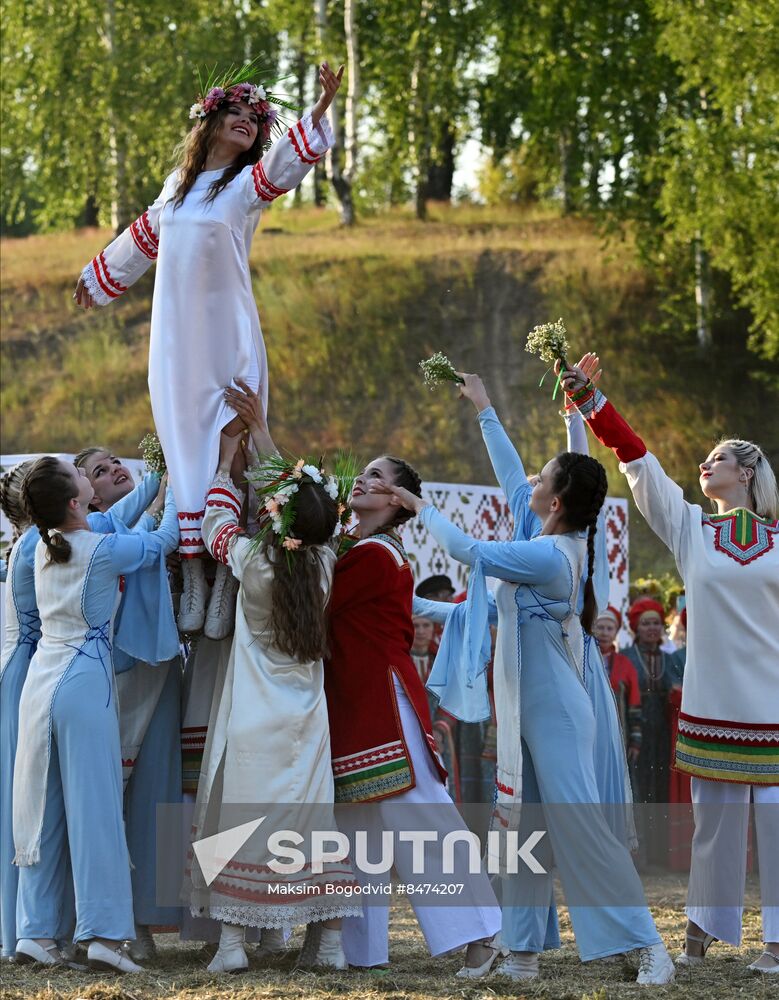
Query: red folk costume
{"points": [[371, 634]]}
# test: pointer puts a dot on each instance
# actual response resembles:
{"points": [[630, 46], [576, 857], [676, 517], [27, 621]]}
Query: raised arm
{"points": [[222, 531], [111, 272], [139, 549], [658, 497], [127, 511]]}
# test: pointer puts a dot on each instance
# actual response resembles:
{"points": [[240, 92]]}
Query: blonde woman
{"points": [[728, 737]]}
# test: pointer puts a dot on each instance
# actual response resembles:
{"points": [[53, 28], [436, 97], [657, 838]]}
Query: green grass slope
{"points": [[348, 315]]}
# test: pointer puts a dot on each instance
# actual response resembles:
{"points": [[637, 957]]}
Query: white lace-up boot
{"points": [[330, 953], [231, 954], [272, 943], [655, 967], [192, 608], [220, 619]]}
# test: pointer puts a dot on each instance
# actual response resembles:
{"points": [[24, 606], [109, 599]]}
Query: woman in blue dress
{"points": [[148, 676], [546, 724], [67, 803], [22, 631]]}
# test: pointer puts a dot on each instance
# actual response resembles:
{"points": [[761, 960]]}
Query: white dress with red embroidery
{"points": [[729, 719], [204, 325], [268, 748]]}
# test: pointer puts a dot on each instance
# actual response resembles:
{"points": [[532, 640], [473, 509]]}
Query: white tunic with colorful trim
{"points": [[267, 752], [729, 720], [204, 325]]}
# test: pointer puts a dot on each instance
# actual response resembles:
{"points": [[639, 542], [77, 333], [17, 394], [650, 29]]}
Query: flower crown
{"points": [[276, 482], [233, 85]]}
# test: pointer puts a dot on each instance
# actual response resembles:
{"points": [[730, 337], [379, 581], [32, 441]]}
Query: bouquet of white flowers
{"points": [[437, 370], [152, 455], [549, 342]]}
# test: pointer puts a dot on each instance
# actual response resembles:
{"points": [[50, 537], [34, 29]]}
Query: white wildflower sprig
{"points": [[439, 369], [549, 341], [152, 454]]}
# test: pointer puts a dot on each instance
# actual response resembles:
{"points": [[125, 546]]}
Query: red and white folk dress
{"points": [[371, 634], [729, 718], [205, 331]]}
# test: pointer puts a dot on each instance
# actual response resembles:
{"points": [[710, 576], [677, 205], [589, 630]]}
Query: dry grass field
{"points": [[180, 971]]}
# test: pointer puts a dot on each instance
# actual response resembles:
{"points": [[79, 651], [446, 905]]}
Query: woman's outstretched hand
{"points": [[400, 496], [576, 377], [330, 83], [81, 295], [473, 389]]}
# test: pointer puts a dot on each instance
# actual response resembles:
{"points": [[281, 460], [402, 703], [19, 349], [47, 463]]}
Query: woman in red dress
{"points": [[384, 752]]}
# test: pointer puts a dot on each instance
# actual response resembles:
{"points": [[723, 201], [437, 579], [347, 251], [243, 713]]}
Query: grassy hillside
{"points": [[348, 315]]}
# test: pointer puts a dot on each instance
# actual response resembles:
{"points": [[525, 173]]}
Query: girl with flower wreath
{"points": [[204, 324], [269, 746], [728, 730]]}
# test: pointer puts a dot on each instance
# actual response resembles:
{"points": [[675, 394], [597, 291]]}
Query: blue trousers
{"points": [[602, 888], [156, 779], [82, 820]]}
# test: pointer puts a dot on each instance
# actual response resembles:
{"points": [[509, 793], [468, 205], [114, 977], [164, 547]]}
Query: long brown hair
{"points": [[297, 619], [46, 491], [193, 153], [581, 484]]}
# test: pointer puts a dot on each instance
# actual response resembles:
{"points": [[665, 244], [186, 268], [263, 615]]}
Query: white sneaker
{"points": [[28, 951], [143, 947], [192, 607], [655, 967], [770, 966], [272, 943], [520, 965], [101, 958], [220, 620], [330, 953]]}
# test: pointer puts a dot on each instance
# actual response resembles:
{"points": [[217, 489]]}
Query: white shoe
{"points": [[683, 960], [143, 947], [101, 958], [192, 607], [272, 943], [220, 620], [771, 966], [655, 967], [480, 971], [520, 965], [330, 953], [28, 951], [231, 954]]}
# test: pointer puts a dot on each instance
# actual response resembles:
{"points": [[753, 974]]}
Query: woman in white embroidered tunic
{"points": [[67, 795], [269, 747], [728, 737], [204, 325]]}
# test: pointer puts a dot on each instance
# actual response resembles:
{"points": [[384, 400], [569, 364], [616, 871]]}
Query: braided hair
{"points": [[410, 480], [47, 489], [11, 498], [581, 484]]}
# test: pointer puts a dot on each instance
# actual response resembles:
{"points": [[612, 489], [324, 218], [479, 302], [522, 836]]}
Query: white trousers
{"points": [[715, 899], [445, 928]]}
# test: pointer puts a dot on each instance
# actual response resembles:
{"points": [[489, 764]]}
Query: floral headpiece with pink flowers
{"points": [[276, 482], [233, 85]]}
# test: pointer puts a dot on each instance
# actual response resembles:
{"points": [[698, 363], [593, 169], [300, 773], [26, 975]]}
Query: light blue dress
{"points": [[156, 774], [22, 632], [70, 682], [554, 761]]}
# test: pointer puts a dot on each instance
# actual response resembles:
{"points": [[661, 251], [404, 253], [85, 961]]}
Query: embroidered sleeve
{"points": [[608, 426], [289, 159], [221, 520], [111, 272]]}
